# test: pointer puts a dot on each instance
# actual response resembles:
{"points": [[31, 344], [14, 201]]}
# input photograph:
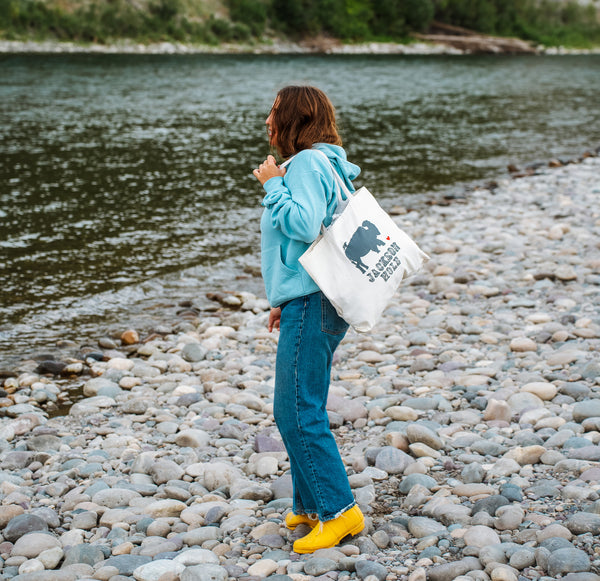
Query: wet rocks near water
{"points": [[469, 422]]}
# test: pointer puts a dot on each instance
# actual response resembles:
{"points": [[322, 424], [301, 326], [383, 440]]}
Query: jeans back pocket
{"points": [[331, 322]]}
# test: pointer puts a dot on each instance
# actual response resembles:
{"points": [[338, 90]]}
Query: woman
{"points": [[298, 200]]}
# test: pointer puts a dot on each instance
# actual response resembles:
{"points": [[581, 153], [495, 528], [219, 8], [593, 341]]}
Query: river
{"points": [[126, 185]]}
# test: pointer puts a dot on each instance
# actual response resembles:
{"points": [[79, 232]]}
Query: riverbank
{"points": [[320, 46], [469, 421]]}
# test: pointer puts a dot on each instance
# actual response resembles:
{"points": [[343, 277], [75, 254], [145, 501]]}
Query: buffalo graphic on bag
{"points": [[363, 241]]}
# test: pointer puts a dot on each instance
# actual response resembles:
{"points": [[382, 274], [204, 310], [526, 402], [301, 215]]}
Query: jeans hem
{"points": [[340, 513]]}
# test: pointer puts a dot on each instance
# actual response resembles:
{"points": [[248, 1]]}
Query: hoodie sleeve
{"points": [[299, 207]]}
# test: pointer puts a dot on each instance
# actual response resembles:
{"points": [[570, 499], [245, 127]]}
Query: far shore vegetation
{"points": [[547, 22]]}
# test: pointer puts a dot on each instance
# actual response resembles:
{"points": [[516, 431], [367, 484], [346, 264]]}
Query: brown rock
{"points": [[130, 337], [9, 512]]}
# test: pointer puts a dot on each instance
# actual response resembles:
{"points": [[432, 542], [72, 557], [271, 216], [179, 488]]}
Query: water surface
{"points": [[126, 181]]}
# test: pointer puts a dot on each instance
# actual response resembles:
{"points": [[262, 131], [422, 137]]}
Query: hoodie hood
{"points": [[337, 156]]}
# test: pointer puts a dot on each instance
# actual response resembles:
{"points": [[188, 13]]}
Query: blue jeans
{"points": [[310, 331]]}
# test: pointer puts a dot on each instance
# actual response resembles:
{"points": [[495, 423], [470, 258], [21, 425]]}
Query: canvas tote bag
{"points": [[360, 260]]}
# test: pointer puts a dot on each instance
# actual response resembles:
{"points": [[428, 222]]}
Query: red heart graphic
{"points": [[387, 237]]}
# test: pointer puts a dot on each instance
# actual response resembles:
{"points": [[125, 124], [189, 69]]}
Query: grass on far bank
{"points": [[106, 22], [212, 22]]}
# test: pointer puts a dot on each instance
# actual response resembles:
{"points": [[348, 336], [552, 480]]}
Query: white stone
{"points": [[420, 450], [114, 497], [538, 318], [504, 573], [524, 400], [474, 489], [523, 344], [32, 544], [266, 466], [30, 566], [544, 390], [121, 364], [560, 358], [72, 538], [509, 517], [192, 438], [481, 536], [50, 558], [165, 508], [221, 331], [196, 557], [263, 568], [402, 413], [213, 475], [155, 569]]}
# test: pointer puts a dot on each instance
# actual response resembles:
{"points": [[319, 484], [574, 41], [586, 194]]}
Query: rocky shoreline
{"points": [[318, 46], [469, 421]]}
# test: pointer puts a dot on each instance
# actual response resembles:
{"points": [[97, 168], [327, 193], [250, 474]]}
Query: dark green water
{"points": [[126, 180]]}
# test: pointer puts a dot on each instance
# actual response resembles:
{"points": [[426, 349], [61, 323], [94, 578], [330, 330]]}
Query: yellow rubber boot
{"points": [[329, 533], [293, 520]]}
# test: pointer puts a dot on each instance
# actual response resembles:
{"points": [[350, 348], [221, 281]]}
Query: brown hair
{"points": [[303, 116]]}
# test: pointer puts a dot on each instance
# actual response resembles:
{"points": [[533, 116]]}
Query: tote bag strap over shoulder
{"points": [[342, 192]]}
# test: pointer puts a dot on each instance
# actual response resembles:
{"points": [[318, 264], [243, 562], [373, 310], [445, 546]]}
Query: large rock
{"points": [[524, 400], [115, 497], [392, 460], [164, 470], [48, 576], [207, 572], [154, 570], [419, 433], [165, 508], [568, 561], [192, 557], [588, 408], [580, 523], [481, 536], [526, 455], [450, 571], [213, 475], [84, 553], [192, 438], [32, 544], [420, 527], [544, 390], [350, 409], [22, 524], [93, 386], [127, 564], [366, 568]]}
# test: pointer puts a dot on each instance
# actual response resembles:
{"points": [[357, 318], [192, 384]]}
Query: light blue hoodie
{"points": [[295, 207]]}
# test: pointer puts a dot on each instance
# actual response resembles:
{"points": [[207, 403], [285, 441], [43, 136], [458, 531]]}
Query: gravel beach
{"points": [[277, 46], [469, 421]]}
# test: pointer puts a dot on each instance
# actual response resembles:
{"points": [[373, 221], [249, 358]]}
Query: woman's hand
{"points": [[268, 169], [274, 319]]}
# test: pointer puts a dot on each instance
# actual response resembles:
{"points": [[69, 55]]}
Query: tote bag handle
{"points": [[342, 187]]}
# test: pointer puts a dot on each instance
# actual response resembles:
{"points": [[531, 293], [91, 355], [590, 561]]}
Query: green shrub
{"points": [[251, 13], [295, 17], [418, 14], [543, 21], [166, 10]]}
